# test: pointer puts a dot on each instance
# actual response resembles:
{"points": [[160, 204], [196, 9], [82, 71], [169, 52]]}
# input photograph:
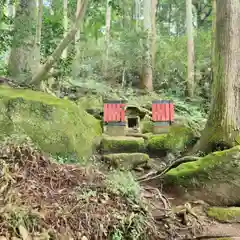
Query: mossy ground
{"points": [[231, 214], [57, 126], [126, 161], [122, 144], [214, 178]]}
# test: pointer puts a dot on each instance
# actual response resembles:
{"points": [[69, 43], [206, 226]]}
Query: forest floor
{"points": [[193, 215], [42, 199]]}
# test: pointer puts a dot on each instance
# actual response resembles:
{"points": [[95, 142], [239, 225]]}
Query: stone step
{"points": [[122, 144]]}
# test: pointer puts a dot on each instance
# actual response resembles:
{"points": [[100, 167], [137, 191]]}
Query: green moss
{"points": [[175, 141], [178, 138], [215, 177], [156, 143], [231, 214], [57, 126], [126, 161], [122, 144]]}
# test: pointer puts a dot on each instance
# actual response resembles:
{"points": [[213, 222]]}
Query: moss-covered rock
{"points": [[214, 178], [156, 143], [175, 141], [57, 126], [231, 214], [122, 144], [126, 161]]}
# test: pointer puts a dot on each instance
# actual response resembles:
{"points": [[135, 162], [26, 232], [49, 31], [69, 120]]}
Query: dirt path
{"points": [[204, 228]]}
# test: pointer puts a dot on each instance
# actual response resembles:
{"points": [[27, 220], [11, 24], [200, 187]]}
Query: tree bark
{"points": [[38, 33], [62, 45], [65, 25], [154, 31], [10, 8], [107, 36], [78, 34], [146, 79], [223, 125], [21, 61], [190, 48]]}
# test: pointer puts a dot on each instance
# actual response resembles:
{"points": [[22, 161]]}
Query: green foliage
{"points": [[123, 183], [132, 228]]}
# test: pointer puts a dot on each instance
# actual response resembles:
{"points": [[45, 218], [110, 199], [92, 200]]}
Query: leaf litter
{"points": [[43, 199], [59, 200]]}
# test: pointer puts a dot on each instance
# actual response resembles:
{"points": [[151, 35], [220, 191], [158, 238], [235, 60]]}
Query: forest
{"points": [[119, 119]]}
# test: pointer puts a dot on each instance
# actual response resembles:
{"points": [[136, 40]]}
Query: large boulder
{"points": [[57, 126], [214, 178]]}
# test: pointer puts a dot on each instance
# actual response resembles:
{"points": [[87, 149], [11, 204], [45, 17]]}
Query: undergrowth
{"points": [[123, 183]]}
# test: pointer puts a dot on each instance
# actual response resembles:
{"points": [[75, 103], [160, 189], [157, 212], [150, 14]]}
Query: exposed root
{"points": [[158, 174]]}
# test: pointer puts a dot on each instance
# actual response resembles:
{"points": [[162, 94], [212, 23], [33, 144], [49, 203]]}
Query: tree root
{"points": [[160, 173]]}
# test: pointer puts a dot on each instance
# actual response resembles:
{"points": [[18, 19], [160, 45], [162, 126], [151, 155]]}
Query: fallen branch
{"points": [[160, 173]]}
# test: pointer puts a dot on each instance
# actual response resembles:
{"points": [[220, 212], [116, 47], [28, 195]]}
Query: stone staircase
{"points": [[127, 153]]}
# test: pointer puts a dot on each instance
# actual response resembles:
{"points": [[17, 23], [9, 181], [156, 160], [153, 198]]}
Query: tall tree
{"points": [[38, 31], [190, 48], [65, 24], [78, 34], [154, 30], [10, 8], [147, 74], [22, 63], [223, 125], [107, 34]]}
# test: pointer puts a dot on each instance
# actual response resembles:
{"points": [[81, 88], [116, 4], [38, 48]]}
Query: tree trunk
{"points": [[146, 79], [223, 125], [190, 48], [138, 14], [65, 25], [38, 33], [22, 62], [1, 12], [62, 45], [107, 37], [10, 8], [78, 34], [154, 31], [213, 32]]}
